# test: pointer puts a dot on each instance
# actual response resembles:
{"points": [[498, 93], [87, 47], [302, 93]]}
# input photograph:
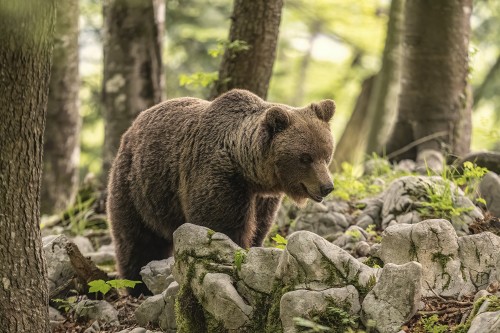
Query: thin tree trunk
{"points": [[350, 143], [255, 22], [26, 38], [383, 105], [133, 70], [62, 133], [304, 65], [434, 95], [489, 79]]}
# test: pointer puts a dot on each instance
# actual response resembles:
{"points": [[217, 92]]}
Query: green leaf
{"points": [[122, 283], [99, 286]]}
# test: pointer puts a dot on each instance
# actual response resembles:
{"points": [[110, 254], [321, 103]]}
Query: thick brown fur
{"points": [[224, 164]]}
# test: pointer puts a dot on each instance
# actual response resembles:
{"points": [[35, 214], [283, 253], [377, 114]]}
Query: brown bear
{"points": [[224, 164]]}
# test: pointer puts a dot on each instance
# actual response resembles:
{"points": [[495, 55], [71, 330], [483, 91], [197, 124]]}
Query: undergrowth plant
{"points": [[103, 287], [280, 241], [431, 325], [351, 185], [441, 197], [335, 319]]}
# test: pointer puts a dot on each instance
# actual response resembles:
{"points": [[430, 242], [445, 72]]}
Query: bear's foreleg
{"points": [[266, 210]]}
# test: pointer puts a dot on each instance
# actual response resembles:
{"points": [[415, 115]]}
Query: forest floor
{"points": [[435, 315]]}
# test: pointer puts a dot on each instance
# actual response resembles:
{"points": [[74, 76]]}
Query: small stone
{"points": [[94, 328], [156, 275], [405, 166], [489, 188], [97, 310], [167, 317], [487, 322], [139, 330], [55, 315], [149, 311], [102, 258], [362, 249], [481, 293], [83, 244]]}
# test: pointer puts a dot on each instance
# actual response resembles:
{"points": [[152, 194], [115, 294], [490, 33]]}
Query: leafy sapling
{"points": [[103, 287]]}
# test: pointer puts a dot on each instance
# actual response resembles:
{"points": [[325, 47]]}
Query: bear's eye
{"points": [[305, 158]]}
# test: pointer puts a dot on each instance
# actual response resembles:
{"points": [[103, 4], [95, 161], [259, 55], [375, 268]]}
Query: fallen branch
{"points": [[86, 270]]}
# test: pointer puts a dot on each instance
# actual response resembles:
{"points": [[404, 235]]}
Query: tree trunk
{"points": [[435, 97], [133, 74], [383, 105], [301, 79], [348, 147], [26, 38], [488, 80], [255, 22], [61, 145]]}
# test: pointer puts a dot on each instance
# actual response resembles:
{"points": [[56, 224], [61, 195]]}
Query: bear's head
{"points": [[300, 149]]}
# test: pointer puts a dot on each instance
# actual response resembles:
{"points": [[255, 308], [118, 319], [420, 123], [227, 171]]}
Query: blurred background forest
{"points": [[326, 49]]}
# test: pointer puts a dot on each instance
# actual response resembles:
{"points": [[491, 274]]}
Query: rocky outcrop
{"points": [[452, 266], [228, 289]]}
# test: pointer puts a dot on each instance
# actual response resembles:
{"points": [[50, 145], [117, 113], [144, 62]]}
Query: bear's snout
{"points": [[326, 189]]}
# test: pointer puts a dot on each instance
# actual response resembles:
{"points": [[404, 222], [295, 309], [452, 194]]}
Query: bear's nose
{"points": [[326, 189]]}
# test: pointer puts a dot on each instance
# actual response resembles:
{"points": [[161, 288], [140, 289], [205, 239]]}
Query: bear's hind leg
{"points": [[135, 246]]}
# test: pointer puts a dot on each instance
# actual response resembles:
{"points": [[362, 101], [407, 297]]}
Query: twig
{"points": [[438, 296], [443, 311], [416, 143]]}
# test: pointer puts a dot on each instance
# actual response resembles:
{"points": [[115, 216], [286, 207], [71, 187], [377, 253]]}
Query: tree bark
{"points": [[383, 105], [255, 22], [26, 38], [350, 143], [488, 80], [434, 94], [133, 70], [61, 145]]}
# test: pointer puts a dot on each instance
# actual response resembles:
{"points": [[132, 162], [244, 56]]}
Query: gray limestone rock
{"points": [[395, 297], [434, 244], [167, 318], [452, 266], [489, 188], [259, 267], [195, 241], [156, 275], [97, 310], [83, 244], [406, 197], [351, 237], [219, 297], [480, 256], [59, 268], [313, 263], [149, 311], [299, 303], [486, 322]]}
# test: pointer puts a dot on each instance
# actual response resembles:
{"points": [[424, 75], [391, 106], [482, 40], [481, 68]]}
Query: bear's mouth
{"points": [[315, 197]]}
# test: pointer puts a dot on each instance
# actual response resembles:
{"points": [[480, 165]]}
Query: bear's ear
{"points": [[324, 109], [277, 119]]}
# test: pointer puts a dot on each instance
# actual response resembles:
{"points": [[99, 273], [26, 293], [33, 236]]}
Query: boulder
{"points": [[157, 275], [300, 303], [97, 310], [395, 297]]}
